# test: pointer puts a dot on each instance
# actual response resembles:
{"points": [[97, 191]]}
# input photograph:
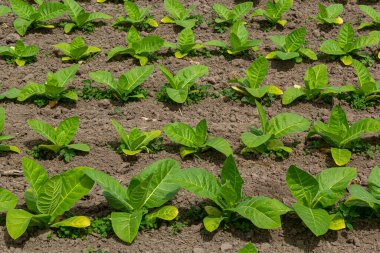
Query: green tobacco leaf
{"points": [[291, 94], [260, 211], [43, 129], [220, 145], [253, 141], [317, 220], [134, 77], [332, 47], [374, 182], [346, 37], [66, 130], [302, 185], [160, 188], [360, 128], [295, 40], [164, 213], [257, 72], [231, 173], [61, 192], [359, 193], [285, 123], [126, 225], [34, 174], [332, 185], [248, 248], [117, 194], [29, 90], [212, 223], [17, 221], [181, 133], [8, 200], [200, 182], [341, 156]]}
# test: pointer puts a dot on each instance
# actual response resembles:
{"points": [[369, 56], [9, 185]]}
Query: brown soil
{"points": [[263, 175]]}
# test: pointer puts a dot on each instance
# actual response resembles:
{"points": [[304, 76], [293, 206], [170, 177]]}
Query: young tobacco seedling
{"points": [[274, 11], [81, 19], [60, 136], [185, 43], [194, 140], [347, 45], [239, 40], [138, 17], [4, 10], [340, 135], [180, 84], [19, 54], [248, 248], [54, 88], [227, 195], [48, 199], [366, 198], [316, 86], [151, 189], [77, 50], [315, 194], [373, 14], [29, 17], [330, 14], [178, 14], [4, 148], [369, 89], [136, 141], [255, 75], [291, 47], [126, 86], [267, 138], [228, 17], [138, 47]]}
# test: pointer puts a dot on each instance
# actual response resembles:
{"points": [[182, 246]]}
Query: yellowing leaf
{"points": [[339, 21], [179, 55], [213, 211], [167, 20], [48, 26], [271, 55], [75, 222], [282, 22], [337, 223], [212, 223], [274, 90], [152, 22], [347, 60]]}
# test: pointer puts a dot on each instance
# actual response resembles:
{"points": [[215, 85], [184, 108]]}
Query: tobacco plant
{"points": [[238, 39], [360, 197], [30, 17], [194, 140], [229, 202], [151, 189], [138, 47], [178, 14], [255, 75], [179, 86], [274, 11], [267, 138], [330, 14], [340, 135], [316, 195], [127, 86], [316, 86], [48, 199], [373, 14], [291, 47], [5, 148], [227, 17], [60, 137], [81, 19], [185, 44], [136, 141], [53, 89], [138, 17], [347, 44], [77, 50], [19, 54]]}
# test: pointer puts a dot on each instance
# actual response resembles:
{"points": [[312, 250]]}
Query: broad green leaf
{"points": [[126, 225], [364, 77], [17, 221], [164, 213], [360, 128], [75, 222], [30, 90], [181, 133], [291, 94], [200, 182], [149, 44], [212, 223], [21, 25], [231, 173], [79, 147], [22, 9], [302, 185], [262, 116], [4, 10], [371, 12], [220, 145], [248, 248], [359, 193], [346, 37], [317, 220], [257, 72], [160, 187], [65, 75], [61, 192], [8, 200], [43, 129], [316, 77], [35, 174], [253, 141], [308, 53], [341, 156], [188, 75], [285, 123], [66, 130], [374, 182], [117, 194], [332, 47], [103, 77], [295, 40], [118, 51], [260, 211], [135, 77], [201, 132], [50, 10]]}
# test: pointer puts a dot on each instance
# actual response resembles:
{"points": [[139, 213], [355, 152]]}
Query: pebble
{"points": [[12, 37], [226, 246]]}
